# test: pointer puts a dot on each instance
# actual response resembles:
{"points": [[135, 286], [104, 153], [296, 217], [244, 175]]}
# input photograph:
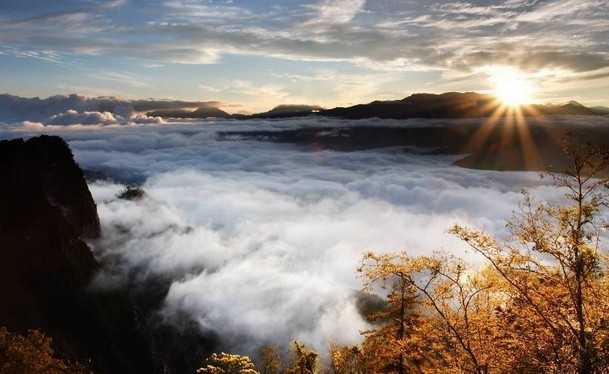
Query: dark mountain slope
{"points": [[449, 105], [287, 111], [45, 266], [202, 112]]}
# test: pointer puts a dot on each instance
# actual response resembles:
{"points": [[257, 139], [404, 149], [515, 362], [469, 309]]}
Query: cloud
{"points": [[417, 35], [187, 9], [336, 11], [513, 55], [259, 241], [77, 109], [548, 11], [72, 117]]}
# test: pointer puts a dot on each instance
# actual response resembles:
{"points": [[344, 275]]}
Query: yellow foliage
{"points": [[32, 354], [226, 363]]}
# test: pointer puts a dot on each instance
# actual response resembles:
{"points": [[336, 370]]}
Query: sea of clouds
{"points": [[260, 241], [73, 109]]}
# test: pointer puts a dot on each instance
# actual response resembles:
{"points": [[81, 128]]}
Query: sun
{"points": [[511, 87], [514, 92]]}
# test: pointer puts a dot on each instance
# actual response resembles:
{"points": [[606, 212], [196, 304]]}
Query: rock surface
{"points": [[46, 210]]}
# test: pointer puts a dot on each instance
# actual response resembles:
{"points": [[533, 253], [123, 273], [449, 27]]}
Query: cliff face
{"points": [[45, 266], [41, 174]]}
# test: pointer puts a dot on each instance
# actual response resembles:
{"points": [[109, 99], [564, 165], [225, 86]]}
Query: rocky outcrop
{"points": [[46, 210]]}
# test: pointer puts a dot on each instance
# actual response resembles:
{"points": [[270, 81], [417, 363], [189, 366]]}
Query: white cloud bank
{"points": [[259, 241], [73, 109]]}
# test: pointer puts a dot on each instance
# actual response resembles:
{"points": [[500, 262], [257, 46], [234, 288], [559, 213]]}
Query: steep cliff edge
{"points": [[46, 268]]}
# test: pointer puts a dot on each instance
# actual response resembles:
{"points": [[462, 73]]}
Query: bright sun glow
{"points": [[511, 87], [514, 92]]}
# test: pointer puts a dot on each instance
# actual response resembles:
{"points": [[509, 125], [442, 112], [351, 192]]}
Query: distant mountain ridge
{"points": [[600, 109], [76, 109], [418, 105], [201, 112], [284, 111], [450, 105]]}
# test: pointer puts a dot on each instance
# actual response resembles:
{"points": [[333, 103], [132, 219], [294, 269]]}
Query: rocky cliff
{"points": [[46, 210]]}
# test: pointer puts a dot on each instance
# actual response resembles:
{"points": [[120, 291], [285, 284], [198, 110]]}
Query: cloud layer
{"points": [[259, 241], [63, 110]]}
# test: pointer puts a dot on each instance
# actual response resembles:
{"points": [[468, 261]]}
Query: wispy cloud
{"points": [[335, 11], [45, 55]]}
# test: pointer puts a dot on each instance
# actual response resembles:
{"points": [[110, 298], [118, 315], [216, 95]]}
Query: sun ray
{"points": [[505, 138], [530, 154]]}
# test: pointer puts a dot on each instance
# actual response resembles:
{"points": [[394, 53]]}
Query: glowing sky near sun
{"points": [[253, 55]]}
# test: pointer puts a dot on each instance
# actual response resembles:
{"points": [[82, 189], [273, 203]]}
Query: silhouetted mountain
{"points": [[600, 110], [448, 105], [287, 111], [202, 112], [571, 108], [46, 268]]}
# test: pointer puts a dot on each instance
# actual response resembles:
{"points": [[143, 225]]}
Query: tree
{"points": [[270, 360], [554, 264], [457, 311], [32, 354], [225, 363], [304, 360], [348, 360], [401, 342]]}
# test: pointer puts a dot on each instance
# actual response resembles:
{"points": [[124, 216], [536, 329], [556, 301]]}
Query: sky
{"points": [[249, 56]]}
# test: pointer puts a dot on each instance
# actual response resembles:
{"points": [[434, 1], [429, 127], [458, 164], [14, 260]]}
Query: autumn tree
{"points": [[225, 363], [304, 360], [454, 327], [32, 353], [554, 263], [400, 343], [270, 360], [348, 360]]}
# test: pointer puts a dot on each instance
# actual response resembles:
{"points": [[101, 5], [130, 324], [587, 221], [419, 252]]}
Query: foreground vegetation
{"points": [[540, 304], [32, 353]]}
